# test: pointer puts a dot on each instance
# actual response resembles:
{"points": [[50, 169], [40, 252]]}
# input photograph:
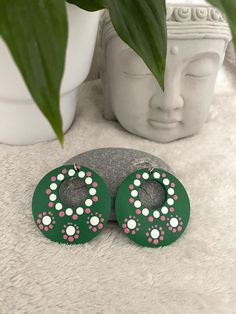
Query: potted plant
{"points": [[36, 33], [42, 66]]}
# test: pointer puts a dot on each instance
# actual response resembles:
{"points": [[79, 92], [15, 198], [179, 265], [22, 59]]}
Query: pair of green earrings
{"points": [[75, 225]]}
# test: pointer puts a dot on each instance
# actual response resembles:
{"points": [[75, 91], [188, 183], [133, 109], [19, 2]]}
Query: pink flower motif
{"points": [[46, 221], [138, 175], [174, 223], [88, 174], [95, 222], [53, 179], [131, 225], [64, 171], [155, 234], [70, 232], [94, 184]]}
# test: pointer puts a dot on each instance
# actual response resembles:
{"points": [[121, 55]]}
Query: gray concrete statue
{"points": [[198, 36]]}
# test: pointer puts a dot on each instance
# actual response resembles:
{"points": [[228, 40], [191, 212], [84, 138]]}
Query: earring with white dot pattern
{"points": [[67, 224], [152, 227]]}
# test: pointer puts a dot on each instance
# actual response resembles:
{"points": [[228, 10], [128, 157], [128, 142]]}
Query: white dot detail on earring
{"points": [[53, 186], [69, 212], [94, 221], [46, 220], [171, 191], [52, 197], [88, 202], [134, 193], [71, 172], [70, 230], [145, 175], [174, 222], [58, 206], [155, 234], [137, 182], [164, 210], [80, 211], [88, 180], [166, 181], [137, 204], [156, 214], [170, 201], [60, 177], [156, 175], [131, 224], [145, 212], [81, 174], [92, 191]]}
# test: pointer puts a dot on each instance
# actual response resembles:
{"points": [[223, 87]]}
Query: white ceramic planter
{"points": [[21, 122]]}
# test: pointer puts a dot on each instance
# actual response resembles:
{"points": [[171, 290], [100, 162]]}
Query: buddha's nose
{"points": [[168, 100]]}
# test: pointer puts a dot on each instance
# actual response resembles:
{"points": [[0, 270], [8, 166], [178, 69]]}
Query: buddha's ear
{"points": [[101, 59], [101, 63], [230, 54], [107, 108]]}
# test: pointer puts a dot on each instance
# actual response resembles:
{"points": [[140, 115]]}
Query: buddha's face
{"points": [[140, 105]]}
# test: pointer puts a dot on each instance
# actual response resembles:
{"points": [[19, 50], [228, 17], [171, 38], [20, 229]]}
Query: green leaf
{"points": [[36, 34], [142, 25], [228, 7], [89, 5]]}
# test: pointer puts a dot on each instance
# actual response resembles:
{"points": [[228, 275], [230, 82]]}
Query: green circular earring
{"points": [[66, 224], [152, 227]]}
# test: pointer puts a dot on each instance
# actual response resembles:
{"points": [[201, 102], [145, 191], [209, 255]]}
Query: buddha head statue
{"points": [[197, 40]]}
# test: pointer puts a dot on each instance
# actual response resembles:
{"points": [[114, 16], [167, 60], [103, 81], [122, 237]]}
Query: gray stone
{"points": [[114, 165]]}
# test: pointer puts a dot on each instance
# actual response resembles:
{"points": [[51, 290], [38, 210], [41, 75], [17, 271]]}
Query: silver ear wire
{"points": [[151, 170], [75, 167]]}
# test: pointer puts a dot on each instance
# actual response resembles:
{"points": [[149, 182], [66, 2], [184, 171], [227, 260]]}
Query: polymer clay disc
{"points": [[66, 224], [152, 227]]}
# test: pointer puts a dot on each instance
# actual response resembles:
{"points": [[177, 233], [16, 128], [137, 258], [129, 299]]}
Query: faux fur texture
{"points": [[196, 274]]}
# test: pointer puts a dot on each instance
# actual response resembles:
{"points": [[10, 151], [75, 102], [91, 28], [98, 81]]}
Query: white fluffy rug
{"points": [[197, 274]]}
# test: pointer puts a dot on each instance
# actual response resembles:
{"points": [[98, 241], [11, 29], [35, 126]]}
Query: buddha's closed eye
{"points": [[133, 66], [202, 68]]}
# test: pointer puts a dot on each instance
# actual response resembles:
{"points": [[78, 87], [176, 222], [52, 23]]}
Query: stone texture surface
{"points": [[114, 165]]}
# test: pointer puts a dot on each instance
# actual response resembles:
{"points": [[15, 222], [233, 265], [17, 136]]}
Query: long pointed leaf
{"points": [[228, 7], [89, 5], [142, 25], [36, 34]]}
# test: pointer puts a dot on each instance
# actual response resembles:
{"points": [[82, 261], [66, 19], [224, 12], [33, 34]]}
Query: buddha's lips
{"points": [[163, 124], [166, 117]]}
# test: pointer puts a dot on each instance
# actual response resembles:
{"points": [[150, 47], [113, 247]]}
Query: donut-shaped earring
{"points": [[152, 227], [65, 224]]}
